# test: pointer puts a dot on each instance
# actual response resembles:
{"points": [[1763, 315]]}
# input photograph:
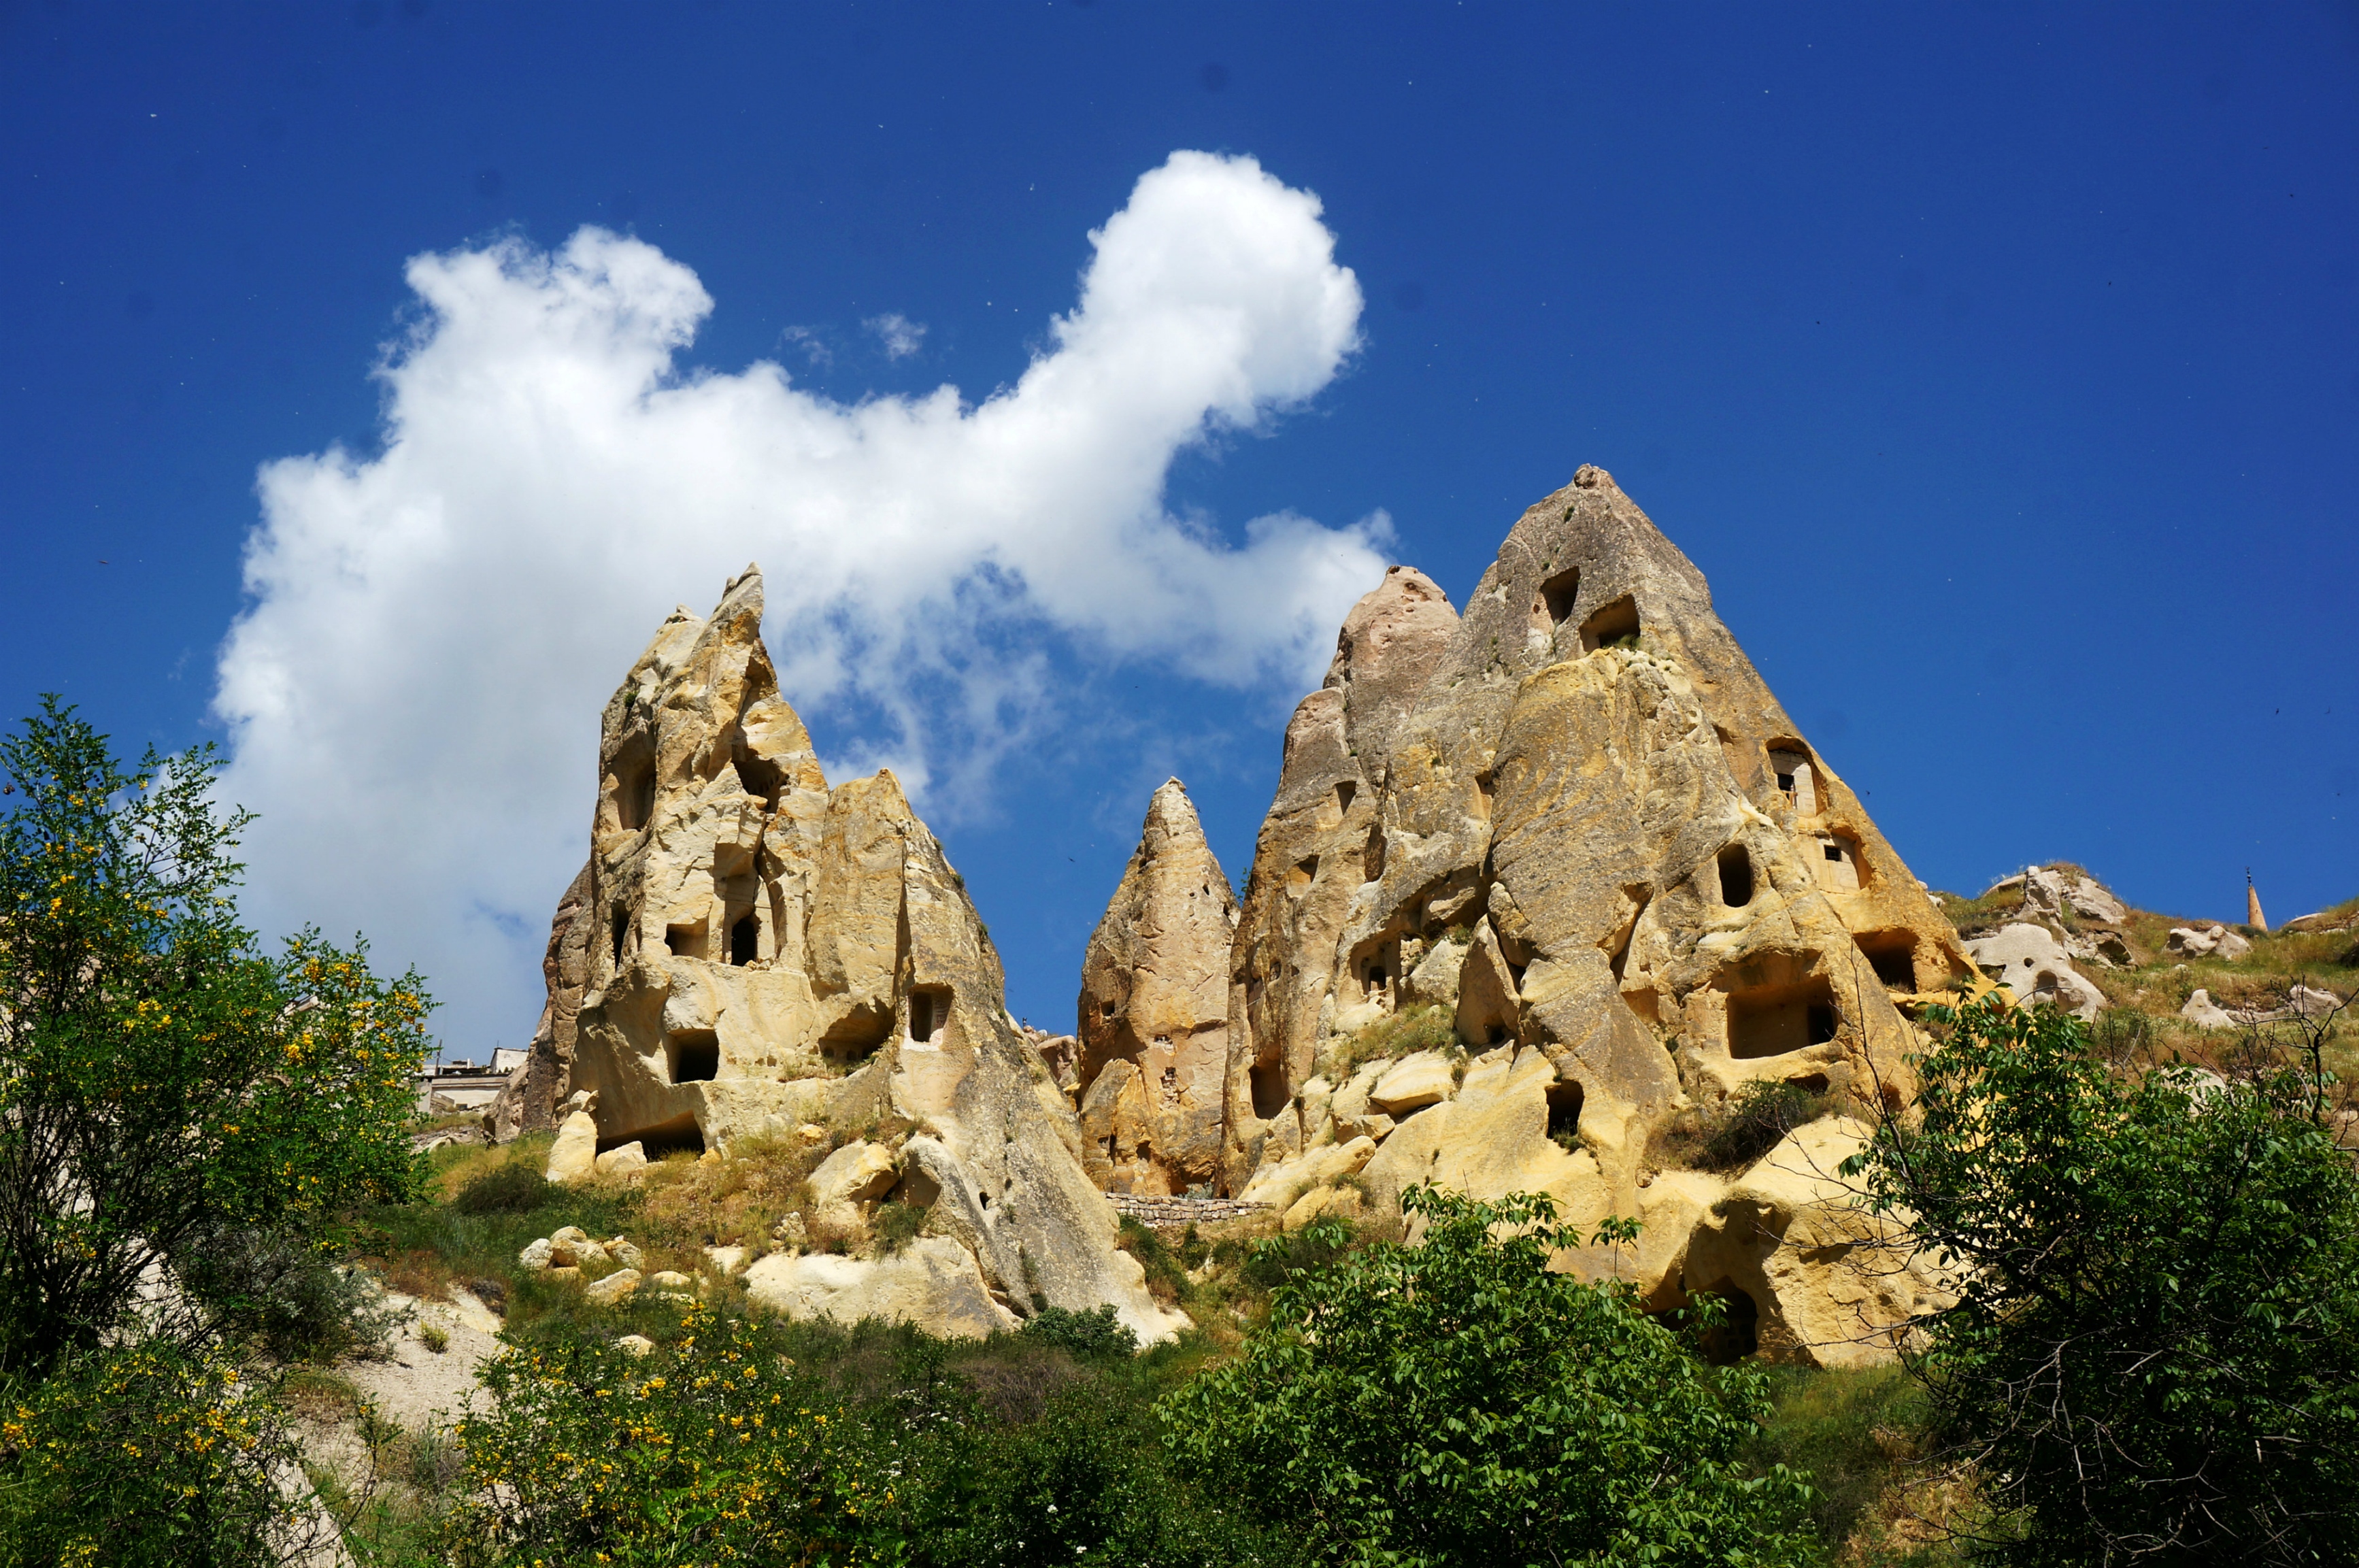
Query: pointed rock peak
{"points": [[1172, 813], [1406, 602], [1589, 477]]}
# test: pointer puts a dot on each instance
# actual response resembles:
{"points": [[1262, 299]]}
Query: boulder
{"points": [[727, 1259], [2206, 942], [612, 1288], [2325, 921], [638, 1345], [2032, 963], [758, 952], [671, 1280], [2311, 1002], [535, 1256], [2054, 891], [1155, 997], [1320, 1168], [574, 1156], [626, 1163], [858, 1173], [2202, 1010], [625, 1252], [1423, 1078], [932, 1282]]}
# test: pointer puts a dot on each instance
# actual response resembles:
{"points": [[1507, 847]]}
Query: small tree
{"points": [[2155, 1350], [1455, 1402], [168, 1092]]}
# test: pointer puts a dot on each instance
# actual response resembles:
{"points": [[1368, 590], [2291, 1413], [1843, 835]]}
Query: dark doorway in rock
{"points": [[1564, 1113], [676, 1136], [929, 1010], [621, 930], [1770, 1020], [745, 940], [1270, 1095], [1738, 1333], [1614, 625], [1735, 876], [1557, 597], [1343, 793], [1893, 956], [695, 1056], [634, 786]]}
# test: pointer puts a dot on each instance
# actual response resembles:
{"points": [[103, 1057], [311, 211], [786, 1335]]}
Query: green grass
{"points": [[1420, 1026]]}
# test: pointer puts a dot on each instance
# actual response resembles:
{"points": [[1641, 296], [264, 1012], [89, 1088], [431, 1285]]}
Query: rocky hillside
{"points": [[1552, 896]]}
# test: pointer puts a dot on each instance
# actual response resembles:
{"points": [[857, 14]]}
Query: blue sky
{"points": [[1999, 366]]}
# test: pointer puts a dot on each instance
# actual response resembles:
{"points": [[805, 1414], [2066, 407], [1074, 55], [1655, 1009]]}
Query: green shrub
{"points": [[1273, 1261], [283, 1294], [1456, 1402], [144, 1456], [898, 1224], [2154, 1354], [163, 1079], [1420, 1026], [1097, 1331], [1756, 1120], [513, 1188], [717, 1451]]}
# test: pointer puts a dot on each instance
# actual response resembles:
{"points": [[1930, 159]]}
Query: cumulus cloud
{"points": [[901, 336], [412, 691]]}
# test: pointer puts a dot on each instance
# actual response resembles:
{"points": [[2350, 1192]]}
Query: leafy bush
{"points": [[1097, 1331], [144, 1456], [1273, 1261], [717, 1452], [161, 1078], [283, 1293], [2155, 1351], [514, 1188], [1457, 1403]]}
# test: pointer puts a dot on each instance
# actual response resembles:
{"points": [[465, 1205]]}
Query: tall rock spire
{"points": [[1574, 830], [755, 952], [1153, 1022]]}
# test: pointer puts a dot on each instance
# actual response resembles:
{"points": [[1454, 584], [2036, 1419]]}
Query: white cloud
{"points": [[413, 690], [901, 336], [813, 346]]}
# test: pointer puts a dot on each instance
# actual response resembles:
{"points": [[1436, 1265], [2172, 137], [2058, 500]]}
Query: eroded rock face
{"points": [[1154, 1023], [1576, 822], [763, 953]]}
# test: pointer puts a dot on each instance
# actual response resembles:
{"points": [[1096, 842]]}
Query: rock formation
{"points": [[1154, 1024], [749, 951], [1574, 828]]}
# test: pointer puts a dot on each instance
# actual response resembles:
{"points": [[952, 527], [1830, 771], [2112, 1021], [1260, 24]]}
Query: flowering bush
{"points": [[164, 1084], [143, 1456], [719, 1450]]}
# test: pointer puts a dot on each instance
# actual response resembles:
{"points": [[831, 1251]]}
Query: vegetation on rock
{"points": [[2154, 1353], [1455, 1402]]}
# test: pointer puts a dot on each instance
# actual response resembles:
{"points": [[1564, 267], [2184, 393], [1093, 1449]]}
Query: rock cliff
{"points": [[749, 951], [1153, 1014], [1573, 829]]}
